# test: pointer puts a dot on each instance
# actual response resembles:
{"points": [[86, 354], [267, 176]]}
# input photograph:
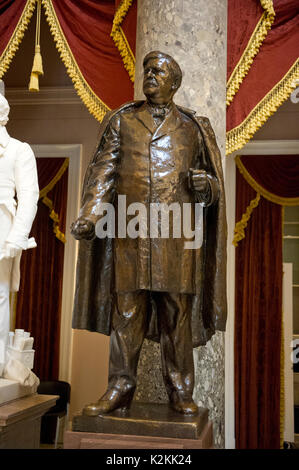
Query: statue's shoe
{"points": [[112, 400], [183, 404]]}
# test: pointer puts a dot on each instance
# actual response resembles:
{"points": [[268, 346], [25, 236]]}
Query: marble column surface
{"points": [[194, 33]]}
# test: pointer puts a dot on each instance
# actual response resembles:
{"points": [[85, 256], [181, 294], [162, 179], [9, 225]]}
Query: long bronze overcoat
{"points": [[150, 164]]}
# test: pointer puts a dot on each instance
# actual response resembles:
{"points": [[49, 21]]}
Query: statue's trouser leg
{"points": [[5, 276], [129, 325], [174, 322]]}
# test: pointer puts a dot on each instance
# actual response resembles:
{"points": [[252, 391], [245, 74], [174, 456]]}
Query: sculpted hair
{"points": [[172, 65]]}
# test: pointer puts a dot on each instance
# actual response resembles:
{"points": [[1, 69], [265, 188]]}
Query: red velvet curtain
{"points": [[12, 28], [271, 77], [258, 304], [96, 41], [258, 297], [276, 174], [243, 17], [10, 11], [82, 31], [39, 298]]}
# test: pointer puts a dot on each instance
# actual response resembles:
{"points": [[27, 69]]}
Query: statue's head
{"points": [[4, 110], [162, 77]]}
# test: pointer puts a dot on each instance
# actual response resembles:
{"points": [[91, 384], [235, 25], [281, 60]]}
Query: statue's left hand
{"points": [[198, 180], [9, 250], [83, 228]]}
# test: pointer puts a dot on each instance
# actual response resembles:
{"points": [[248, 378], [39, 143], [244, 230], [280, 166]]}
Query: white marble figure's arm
{"points": [[27, 191]]}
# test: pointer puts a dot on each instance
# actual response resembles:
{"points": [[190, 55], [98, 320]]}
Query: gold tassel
{"points": [[33, 84], [37, 67], [37, 62]]}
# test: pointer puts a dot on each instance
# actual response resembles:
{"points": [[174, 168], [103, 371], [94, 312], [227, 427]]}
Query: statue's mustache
{"points": [[150, 81]]}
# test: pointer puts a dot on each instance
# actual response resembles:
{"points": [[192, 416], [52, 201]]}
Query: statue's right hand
{"points": [[83, 228]]}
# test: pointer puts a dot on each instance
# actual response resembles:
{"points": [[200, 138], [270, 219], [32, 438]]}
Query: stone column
{"points": [[194, 33]]}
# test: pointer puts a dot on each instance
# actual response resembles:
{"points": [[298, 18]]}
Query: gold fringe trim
{"points": [[43, 196], [236, 138], [251, 50], [120, 39], [283, 201], [17, 36], [242, 224], [93, 103], [54, 216]]}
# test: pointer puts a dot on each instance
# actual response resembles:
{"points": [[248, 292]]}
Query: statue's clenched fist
{"points": [[83, 228], [198, 180]]}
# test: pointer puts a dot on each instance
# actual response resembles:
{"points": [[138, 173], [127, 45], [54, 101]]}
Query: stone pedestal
{"points": [[194, 33], [145, 425], [20, 421]]}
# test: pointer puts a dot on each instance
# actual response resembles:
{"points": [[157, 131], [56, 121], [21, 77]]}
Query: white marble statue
{"points": [[19, 194]]}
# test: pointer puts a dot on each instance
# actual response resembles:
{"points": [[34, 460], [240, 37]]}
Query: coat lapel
{"points": [[144, 116], [171, 122]]}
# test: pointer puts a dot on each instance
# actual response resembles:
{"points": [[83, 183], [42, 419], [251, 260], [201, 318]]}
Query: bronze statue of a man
{"points": [[131, 288]]}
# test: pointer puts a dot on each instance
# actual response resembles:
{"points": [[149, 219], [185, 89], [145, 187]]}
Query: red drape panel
{"points": [[248, 24], [258, 316], [278, 53], [14, 18], [86, 25], [242, 18], [10, 13], [39, 298], [258, 297]]}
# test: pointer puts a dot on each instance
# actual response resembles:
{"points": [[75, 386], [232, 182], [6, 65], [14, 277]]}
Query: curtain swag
{"points": [[252, 48], [263, 64], [49, 203], [239, 230], [93, 103], [20, 11], [240, 135], [272, 76]]}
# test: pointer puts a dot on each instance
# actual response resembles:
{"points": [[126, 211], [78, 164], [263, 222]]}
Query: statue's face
{"points": [[158, 84]]}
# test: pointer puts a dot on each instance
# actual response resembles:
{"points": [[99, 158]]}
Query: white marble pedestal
{"points": [[20, 421], [11, 390]]}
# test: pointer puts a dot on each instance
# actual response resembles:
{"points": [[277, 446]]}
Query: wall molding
{"points": [[74, 153], [46, 96], [269, 147]]}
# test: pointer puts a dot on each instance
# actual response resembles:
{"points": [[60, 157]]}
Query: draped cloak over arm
{"points": [[95, 267]]}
